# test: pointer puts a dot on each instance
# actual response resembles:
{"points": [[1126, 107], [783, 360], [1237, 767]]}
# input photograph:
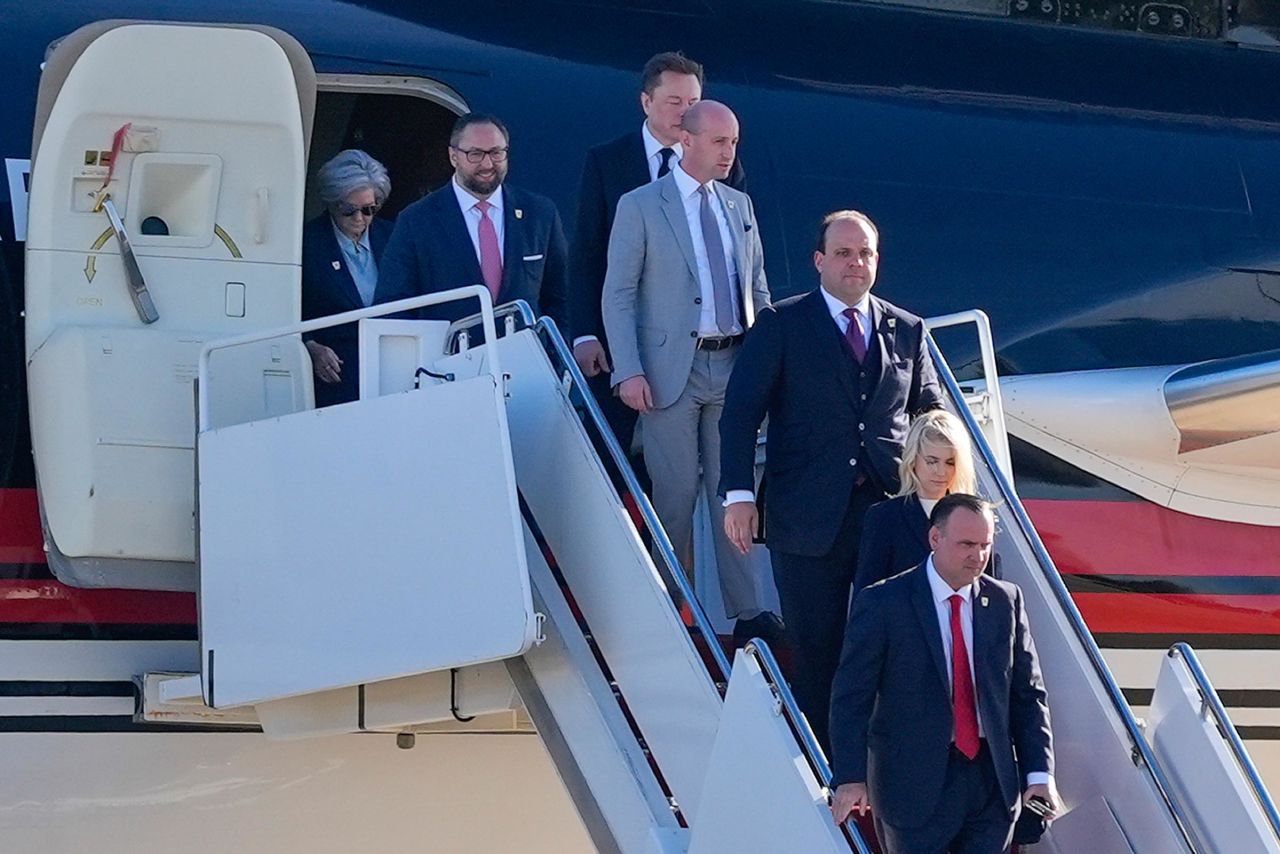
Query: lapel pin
{"points": [[337, 265], [730, 204], [983, 600], [893, 321], [519, 214]]}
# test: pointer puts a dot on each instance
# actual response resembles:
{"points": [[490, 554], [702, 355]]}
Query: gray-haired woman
{"points": [[340, 253]]}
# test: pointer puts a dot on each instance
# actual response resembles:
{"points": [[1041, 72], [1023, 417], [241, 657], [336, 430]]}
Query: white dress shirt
{"points": [[836, 308], [471, 215], [653, 159], [688, 187], [942, 592], [653, 151]]}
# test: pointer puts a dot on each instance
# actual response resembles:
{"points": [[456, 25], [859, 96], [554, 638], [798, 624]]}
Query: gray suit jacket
{"points": [[651, 294]]}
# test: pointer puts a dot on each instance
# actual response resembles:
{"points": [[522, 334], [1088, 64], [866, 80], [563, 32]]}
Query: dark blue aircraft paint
{"points": [[1109, 198]]}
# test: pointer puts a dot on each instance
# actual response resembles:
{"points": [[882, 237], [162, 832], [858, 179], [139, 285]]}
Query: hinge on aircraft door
{"points": [[175, 698], [539, 623]]}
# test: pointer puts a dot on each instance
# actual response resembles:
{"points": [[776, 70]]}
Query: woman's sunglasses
{"points": [[347, 210]]}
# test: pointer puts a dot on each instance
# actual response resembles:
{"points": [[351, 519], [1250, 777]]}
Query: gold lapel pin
{"points": [[337, 265], [519, 214]]}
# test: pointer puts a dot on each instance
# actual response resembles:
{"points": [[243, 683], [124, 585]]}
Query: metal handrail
{"points": [[759, 650], [511, 313], [1213, 704], [1050, 572], [990, 373], [555, 343], [469, 292]]}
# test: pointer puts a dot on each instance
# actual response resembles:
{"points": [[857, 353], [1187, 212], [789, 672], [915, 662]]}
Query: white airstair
{"points": [[492, 466]]}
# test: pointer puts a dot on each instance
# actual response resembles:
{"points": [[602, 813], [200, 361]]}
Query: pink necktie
{"points": [[857, 341], [490, 255], [964, 705]]}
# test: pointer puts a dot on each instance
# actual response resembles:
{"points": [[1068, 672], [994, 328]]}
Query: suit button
{"points": [[853, 462], [864, 397], [862, 426], [693, 334], [697, 300]]}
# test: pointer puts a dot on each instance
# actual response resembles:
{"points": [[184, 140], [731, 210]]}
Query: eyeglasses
{"points": [[477, 155], [348, 210]]}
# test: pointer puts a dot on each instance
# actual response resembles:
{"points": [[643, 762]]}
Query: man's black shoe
{"points": [[766, 625]]}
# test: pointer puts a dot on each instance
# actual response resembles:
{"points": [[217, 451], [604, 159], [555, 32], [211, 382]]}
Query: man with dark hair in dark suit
{"points": [[670, 84], [838, 372], [938, 700], [478, 230]]}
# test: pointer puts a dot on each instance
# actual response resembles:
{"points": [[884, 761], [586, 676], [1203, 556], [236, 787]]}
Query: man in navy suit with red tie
{"points": [[478, 230], [939, 717]]}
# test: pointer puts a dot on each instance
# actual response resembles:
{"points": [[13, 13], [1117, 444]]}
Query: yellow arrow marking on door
{"points": [[91, 261]]}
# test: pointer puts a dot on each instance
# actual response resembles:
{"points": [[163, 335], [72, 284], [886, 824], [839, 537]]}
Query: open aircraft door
{"points": [[166, 205]]}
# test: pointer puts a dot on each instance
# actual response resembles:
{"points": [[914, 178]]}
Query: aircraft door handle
{"points": [[138, 291]]}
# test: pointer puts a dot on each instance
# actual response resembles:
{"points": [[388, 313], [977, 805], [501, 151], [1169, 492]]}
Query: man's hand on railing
{"points": [[847, 798], [741, 519], [325, 362], [591, 358], [635, 393]]}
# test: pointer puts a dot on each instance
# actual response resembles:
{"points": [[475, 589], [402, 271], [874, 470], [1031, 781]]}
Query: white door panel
{"points": [[209, 187]]}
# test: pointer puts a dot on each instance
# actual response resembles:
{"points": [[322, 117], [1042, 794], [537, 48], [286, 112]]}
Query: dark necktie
{"points": [[665, 166], [964, 705], [854, 335], [720, 287]]}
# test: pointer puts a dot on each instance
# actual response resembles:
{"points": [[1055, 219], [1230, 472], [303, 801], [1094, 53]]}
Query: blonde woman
{"points": [[937, 459]]}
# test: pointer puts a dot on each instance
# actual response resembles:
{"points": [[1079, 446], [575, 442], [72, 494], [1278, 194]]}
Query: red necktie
{"points": [[853, 334], [490, 255], [964, 707]]}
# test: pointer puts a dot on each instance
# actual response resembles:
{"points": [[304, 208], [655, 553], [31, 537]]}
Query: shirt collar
{"points": [[836, 307], [361, 245], [652, 145], [941, 590], [466, 201], [685, 183]]}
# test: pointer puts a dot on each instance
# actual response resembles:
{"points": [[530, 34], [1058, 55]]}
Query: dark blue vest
{"points": [[866, 376]]}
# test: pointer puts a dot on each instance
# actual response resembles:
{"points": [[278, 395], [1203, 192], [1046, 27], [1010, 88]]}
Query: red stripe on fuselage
{"points": [[1176, 613], [20, 537], [49, 601], [54, 602], [1141, 538]]}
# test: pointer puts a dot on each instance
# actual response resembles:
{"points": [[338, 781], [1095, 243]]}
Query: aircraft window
{"points": [[1186, 18], [402, 122]]}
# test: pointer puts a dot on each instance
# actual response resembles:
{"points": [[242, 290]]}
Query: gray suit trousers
{"points": [[680, 438]]}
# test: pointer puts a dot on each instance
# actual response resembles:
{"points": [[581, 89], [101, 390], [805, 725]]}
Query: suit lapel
{"points": [[927, 613], [737, 231], [637, 164], [338, 269], [673, 209], [984, 633], [883, 337], [827, 336], [454, 227], [512, 246], [916, 520]]}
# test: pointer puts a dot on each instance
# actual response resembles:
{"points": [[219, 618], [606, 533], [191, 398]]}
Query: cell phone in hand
{"points": [[1040, 806]]}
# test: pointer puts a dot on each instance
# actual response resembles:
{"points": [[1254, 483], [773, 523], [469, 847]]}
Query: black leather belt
{"points": [[719, 343]]}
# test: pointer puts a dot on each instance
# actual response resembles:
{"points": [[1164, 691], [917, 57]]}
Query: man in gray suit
{"points": [[685, 279]]}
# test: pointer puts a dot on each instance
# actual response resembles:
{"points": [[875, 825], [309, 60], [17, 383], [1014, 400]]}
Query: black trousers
{"points": [[971, 817], [814, 593]]}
